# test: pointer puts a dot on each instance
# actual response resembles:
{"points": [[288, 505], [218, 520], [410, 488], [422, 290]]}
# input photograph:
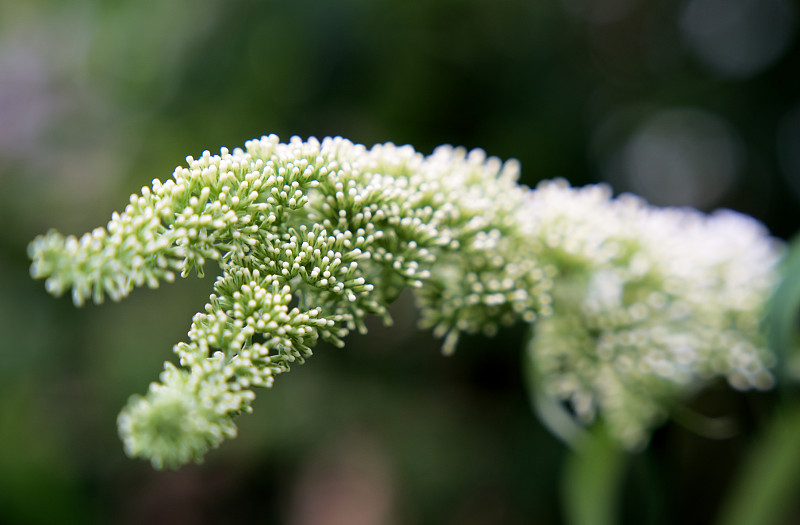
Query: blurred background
{"points": [[686, 102]]}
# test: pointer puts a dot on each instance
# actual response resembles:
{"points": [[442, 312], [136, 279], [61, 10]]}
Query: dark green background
{"points": [[99, 97]]}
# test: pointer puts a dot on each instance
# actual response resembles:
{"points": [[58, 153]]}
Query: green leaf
{"points": [[769, 481], [781, 321]]}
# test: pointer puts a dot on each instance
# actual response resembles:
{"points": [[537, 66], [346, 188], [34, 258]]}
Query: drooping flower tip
{"points": [[170, 426]]}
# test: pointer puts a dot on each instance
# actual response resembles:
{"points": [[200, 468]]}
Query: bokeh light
{"points": [[738, 38], [788, 148], [682, 157]]}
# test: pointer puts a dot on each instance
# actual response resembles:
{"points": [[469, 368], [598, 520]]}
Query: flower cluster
{"points": [[632, 306]]}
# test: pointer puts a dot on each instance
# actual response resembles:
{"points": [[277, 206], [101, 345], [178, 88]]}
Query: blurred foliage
{"points": [[99, 97]]}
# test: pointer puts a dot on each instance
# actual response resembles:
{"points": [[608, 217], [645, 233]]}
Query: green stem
{"points": [[592, 478]]}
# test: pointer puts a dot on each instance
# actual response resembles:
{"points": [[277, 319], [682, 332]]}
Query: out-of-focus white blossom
{"points": [[649, 304]]}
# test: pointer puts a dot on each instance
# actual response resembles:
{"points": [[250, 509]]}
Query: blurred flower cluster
{"points": [[649, 304]]}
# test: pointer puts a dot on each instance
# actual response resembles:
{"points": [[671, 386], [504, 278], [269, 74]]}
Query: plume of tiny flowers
{"points": [[310, 237], [633, 306]]}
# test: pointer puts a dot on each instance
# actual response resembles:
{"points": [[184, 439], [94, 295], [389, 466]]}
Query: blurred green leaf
{"points": [[769, 481], [781, 321]]}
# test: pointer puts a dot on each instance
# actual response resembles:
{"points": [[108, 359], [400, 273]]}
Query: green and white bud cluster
{"points": [[632, 306]]}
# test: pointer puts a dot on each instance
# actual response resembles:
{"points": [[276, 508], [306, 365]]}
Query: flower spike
{"points": [[632, 307]]}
